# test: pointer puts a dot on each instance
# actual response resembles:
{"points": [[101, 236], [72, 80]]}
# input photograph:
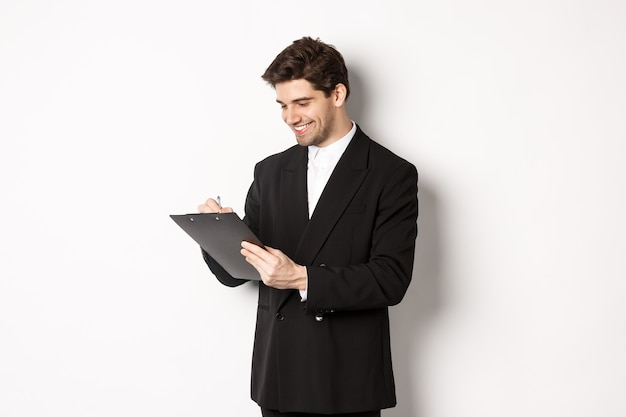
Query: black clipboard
{"points": [[220, 235]]}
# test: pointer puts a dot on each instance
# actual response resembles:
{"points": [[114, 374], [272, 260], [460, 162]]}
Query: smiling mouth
{"points": [[301, 128]]}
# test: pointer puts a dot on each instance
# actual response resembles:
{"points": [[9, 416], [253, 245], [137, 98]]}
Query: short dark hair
{"points": [[313, 60]]}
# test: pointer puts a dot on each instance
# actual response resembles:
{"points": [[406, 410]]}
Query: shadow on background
{"points": [[423, 301], [411, 319]]}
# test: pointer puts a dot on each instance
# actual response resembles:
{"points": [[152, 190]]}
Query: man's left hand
{"points": [[277, 270]]}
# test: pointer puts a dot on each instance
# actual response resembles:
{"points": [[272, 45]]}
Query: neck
{"points": [[343, 125]]}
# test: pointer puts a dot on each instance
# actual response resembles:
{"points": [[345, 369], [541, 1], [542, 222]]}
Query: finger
{"points": [[254, 248], [275, 252], [258, 256], [256, 261], [203, 208], [211, 206], [215, 207]]}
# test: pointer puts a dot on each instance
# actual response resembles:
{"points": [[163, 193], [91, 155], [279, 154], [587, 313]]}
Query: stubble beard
{"points": [[314, 138], [320, 136]]}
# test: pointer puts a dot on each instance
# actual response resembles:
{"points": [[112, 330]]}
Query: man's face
{"points": [[308, 112]]}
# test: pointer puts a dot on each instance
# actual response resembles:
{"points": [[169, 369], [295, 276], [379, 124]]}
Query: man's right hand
{"points": [[212, 206]]}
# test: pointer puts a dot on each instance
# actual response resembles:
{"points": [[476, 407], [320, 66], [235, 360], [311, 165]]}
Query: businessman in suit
{"points": [[338, 216]]}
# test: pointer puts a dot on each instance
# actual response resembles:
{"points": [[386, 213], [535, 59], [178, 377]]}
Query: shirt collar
{"points": [[335, 149]]}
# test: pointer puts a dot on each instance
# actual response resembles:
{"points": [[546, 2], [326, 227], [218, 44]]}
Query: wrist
{"points": [[303, 285]]}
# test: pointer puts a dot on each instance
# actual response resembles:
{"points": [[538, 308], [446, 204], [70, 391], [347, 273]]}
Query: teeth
{"points": [[299, 128]]}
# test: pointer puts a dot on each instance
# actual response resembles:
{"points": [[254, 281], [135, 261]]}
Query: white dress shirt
{"points": [[322, 162]]}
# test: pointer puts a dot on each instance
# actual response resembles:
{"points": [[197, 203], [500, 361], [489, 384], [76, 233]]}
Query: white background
{"points": [[115, 114]]}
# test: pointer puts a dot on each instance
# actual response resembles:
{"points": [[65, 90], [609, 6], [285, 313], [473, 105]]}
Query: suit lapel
{"points": [[310, 235], [292, 206], [339, 191]]}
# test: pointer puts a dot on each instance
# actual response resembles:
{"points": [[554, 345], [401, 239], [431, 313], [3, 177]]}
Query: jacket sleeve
{"points": [[219, 272], [383, 277]]}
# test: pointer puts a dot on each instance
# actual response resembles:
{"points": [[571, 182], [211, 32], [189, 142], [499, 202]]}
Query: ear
{"points": [[339, 95]]}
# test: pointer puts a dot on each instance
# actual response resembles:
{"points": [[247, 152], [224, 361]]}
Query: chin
{"points": [[304, 141]]}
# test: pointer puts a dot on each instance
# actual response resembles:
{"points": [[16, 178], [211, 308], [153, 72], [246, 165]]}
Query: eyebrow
{"points": [[297, 100]]}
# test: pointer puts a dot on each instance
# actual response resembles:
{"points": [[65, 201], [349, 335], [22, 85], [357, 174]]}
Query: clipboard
{"points": [[220, 235]]}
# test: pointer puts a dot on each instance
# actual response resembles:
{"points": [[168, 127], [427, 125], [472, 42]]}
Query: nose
{"points": [[290, 115]]}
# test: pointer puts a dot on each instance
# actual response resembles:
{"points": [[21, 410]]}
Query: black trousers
{"points": [[272, 413]]}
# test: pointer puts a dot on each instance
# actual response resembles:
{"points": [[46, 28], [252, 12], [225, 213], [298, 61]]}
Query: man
{"points": [[337, 213]]}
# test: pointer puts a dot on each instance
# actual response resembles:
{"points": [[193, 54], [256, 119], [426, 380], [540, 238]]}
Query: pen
{"points": [[219, 201]]}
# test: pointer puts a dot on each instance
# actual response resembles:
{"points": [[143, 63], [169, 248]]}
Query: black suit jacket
{"points": [[331, 354]]}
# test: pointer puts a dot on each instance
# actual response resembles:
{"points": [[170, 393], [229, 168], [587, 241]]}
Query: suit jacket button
{"points": [[279, 316], [319, 317]]}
